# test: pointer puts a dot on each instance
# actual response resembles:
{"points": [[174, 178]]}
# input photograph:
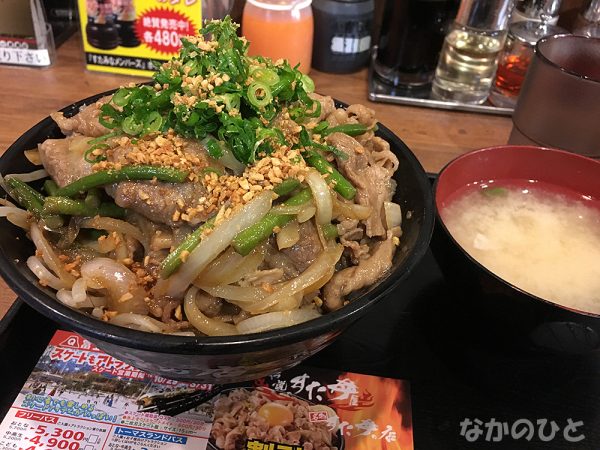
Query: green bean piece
{"points": [[286, 187], [248, 239], [128, 173], [26, 196], [53, 221], [172, 262], [92, 199], [50, 187], [340, 183], [70, 207], [351, 129], [329, 231]]}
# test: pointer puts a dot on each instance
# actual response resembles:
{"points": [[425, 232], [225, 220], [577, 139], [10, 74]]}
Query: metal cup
{"points": [[559, 103]]}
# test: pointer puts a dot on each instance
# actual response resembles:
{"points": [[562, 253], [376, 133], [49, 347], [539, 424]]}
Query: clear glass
{"points": [[280, 29], [467, 64], [588, 23]]}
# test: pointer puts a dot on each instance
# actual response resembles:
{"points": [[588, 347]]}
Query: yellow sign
{"points": [[128, 36]]}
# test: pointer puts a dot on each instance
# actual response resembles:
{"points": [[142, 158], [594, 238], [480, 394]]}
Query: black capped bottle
{"points": [[100, 30], [125, 13]]}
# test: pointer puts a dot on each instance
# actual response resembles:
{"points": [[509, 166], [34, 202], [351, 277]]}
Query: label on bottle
{"points": [[350, 45]]}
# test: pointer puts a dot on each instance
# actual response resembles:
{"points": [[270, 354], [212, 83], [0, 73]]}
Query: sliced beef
{"points": [[366, 273], [350, 234], [63, 158], [84, 122], [158, 201], [303, 253], [372, 180]]}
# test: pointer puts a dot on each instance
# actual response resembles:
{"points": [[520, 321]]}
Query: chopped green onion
{"points": [[259, 94], [131, 127], [267, 76], [307, 83], [121, 97], [153, 122]]}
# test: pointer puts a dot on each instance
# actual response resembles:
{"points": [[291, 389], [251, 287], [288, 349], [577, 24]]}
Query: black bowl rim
{"points": [[441, 223], [331, 322]]}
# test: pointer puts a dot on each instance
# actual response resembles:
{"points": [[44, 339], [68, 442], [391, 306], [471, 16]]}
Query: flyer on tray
{"points": [[80, 398]]}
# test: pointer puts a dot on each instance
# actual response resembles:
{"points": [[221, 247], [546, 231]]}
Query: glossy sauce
{"points": [[537, 236]]}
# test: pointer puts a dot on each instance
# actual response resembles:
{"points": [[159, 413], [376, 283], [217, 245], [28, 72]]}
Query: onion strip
{"points": [[274, 320], [44, 275], [138, 322], [322, 196], [208, 326], [29, 176], [120, 226], [50, 258]]}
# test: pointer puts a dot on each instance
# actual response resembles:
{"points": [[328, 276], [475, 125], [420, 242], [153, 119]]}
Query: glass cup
{"points": [[559, 103]]}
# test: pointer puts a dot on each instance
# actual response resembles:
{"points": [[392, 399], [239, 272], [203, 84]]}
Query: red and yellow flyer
{"points": [[128, 36], [79, 398]]}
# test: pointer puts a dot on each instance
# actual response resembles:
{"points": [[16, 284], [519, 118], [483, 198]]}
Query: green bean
{"points": [[50, 187], [351, 129], [340, 183], [104, 177], [26, 196], [92, 199], [329, 231], [172, 262], [70, 207], [286, 187], [246, 240]]}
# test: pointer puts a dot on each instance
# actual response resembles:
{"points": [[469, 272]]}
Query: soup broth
{"points": [[540, 239]]}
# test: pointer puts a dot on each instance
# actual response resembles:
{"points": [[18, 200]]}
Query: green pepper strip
{"points": [[286, 187], [329, 231], [70, 207], [26, 196], [128, 173], [50, 187], [340, 184], [172, 262], [351, 129], [248, 239]]}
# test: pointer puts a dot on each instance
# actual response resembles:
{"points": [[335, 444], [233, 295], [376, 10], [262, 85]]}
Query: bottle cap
{"points": [[537, 8], [531, 32]]}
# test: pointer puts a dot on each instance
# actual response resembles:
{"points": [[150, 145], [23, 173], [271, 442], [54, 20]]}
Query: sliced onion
{"points": [[228, 159], [239, 295], [79, 290], [120, 226], [274, 320], [351, 210], [138, 322], [118, 281], [306, 214], [322, 196], [44, 275], [213, 244], [289, 235], [393, 214], [5, 202], [20, 220], [29, 176], [320, 266], [33, 156], [206, 325], [231, 267], [49, 256]]}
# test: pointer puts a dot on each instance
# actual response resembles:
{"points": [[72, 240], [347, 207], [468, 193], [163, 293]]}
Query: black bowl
{"points": [[493, 312], [216, 359]]}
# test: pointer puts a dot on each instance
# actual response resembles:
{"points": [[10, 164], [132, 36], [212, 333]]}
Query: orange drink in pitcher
{"points": [[280, 29]]}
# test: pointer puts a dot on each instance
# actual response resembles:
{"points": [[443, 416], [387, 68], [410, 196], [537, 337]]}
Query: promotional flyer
{"points": [[79, 398], [129, 36]]}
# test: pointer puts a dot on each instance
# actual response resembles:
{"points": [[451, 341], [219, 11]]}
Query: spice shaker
{"points": [[515, 59], [343, 31], [469, 57], [412, 35], [100, 30], [588, 23], [532, 10]]}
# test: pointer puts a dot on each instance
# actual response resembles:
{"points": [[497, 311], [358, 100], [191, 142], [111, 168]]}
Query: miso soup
{"points": [[541, 239]]}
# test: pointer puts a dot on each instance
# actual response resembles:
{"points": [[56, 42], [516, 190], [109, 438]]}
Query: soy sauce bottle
{"points": [[126, 24], [100, 30]]}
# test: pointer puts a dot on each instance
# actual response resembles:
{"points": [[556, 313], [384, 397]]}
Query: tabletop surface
{"points": [[435, 136]]}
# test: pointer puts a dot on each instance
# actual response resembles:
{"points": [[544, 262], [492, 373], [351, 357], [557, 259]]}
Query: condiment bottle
{"points": [[412, 35], [469, 57], [280, 29], [588, 23], [343, 31], [100, 30], [125, 12], [532, 10], [515, 59]]}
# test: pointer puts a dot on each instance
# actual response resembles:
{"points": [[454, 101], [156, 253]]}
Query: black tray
{"points": [[414, 334]]}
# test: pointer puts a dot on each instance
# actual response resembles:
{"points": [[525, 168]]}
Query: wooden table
{"points": [[435, 136]]}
